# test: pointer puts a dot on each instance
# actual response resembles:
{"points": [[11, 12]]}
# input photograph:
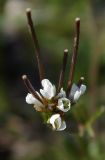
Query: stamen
{"points": [[30, 88], [62, 72], [74, 55], [80, 82], [35, 41]]}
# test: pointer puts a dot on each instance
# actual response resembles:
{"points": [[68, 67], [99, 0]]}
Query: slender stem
{"points": [[74, 55], [80, 82], [35, 41], [62, 72], [30, 88]]}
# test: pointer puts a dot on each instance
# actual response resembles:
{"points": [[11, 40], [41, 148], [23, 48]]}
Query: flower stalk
{"points": [[30, 87], [62, 72], [35, 42], [74, 55]]}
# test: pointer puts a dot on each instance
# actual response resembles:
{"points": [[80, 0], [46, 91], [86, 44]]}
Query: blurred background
{"points": [[23, 135]]}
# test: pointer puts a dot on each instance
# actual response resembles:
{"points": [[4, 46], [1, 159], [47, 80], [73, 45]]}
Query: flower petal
{"points": [[46, 84], [30, 99], [48, 90], [64, 104], [63, 126], [82, 89], [53, 90], [61, 94], [76, 92], [45, 94], [74, 88], [77, 95], [55, 121]]}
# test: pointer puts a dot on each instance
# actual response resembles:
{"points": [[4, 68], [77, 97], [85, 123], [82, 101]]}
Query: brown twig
{"points": [[30, 88], [62, 72], [35, 41], [74, 55]]}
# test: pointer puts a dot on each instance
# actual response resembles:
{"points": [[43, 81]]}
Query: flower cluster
{"points": [[51, 102], [54, 102]]}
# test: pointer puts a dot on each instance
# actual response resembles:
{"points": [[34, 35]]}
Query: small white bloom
{"points": [[30, 99], [61, 94], [48, 90], [57, 123], [77, 95], [76, 92], [64, 104], [82, 89]]}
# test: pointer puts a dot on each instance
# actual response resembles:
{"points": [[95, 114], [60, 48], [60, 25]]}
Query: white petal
{"points": [[62, 93], [46, 83], [76, 92], [30, 99], [79, 92], [82, 89], [63, 126], [74, 88], [55, 121], [53, 117], [64, 104], [53, 90], [48, 90], [77, 95], [45, 94]]}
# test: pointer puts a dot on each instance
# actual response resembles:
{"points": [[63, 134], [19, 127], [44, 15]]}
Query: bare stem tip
{"points": [[24, 77], [28, 10], [81, 81], [66, 50], [77, 19], [82, 78]]}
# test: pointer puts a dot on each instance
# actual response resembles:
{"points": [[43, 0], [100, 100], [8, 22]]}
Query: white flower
{"points": [[57, 123], [64, 104], [48, 90], [61, 94], [30, 99], [76, 92]]}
